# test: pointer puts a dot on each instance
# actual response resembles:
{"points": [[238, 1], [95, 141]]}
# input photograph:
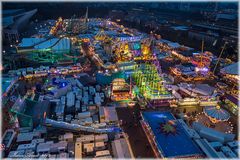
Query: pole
{"points": [[202, 52], [219, 57]]}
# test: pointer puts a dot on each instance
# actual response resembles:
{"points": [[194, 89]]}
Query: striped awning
{"points": [[216, 113]]}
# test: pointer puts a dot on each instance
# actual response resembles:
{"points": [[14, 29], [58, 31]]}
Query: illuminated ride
{"points": [[188, 71], [146, 49], [150, 84], [101, 36], [215, 117], [202, 59], [122, 52], [140, 50], [216, 114], [200, 69], [88, 50], [143, 50], [120, 90], [180, 56], [202, 62], [58, 26]]}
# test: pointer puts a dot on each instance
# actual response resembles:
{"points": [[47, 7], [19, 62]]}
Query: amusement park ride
{"points": [[59, 33], [149, 82], [137, 50], [58, 26], [201, 61], [102, 37], [88, 50]]}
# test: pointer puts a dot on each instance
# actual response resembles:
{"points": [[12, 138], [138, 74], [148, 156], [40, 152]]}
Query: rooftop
{"points": [[171, 145], [231, 69]]}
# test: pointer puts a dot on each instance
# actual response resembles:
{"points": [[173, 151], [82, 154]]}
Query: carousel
{"points": [[215, 117], [216, 114]]}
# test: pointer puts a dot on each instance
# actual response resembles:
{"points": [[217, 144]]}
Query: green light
{"points": [[136, 46], [149, 82]]}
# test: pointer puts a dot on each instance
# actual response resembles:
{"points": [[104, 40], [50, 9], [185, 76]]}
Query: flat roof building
{"points": [[120, 149], [99, 146], [39, 140], [102, 153], [207, 148], [110, 114], [101, 137], [68, 137], [86, 138], [78, 150], [31, 146], [50, 147], [27, 137], [211, 134], [16, 154], [88, 147]]}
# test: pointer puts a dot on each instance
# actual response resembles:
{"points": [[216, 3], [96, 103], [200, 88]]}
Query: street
{"points": [[137, 138]]}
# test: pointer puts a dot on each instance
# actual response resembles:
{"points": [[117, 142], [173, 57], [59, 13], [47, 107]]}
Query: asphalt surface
{"points": [[137, 138]]}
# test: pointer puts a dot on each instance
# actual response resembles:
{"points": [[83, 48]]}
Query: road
{"points": [[137, 138]]}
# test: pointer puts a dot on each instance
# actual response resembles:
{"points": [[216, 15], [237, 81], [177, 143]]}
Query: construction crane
{"points": [[201, 64], [219, 57]]}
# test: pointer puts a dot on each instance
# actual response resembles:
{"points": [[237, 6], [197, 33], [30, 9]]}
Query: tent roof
{"points": [[231, 69], [214, 112]]}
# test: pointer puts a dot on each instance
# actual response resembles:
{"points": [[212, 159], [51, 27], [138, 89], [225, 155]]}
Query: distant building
{"points": [[14, 21], [198, 35], [116, 14], [226, 16]]}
